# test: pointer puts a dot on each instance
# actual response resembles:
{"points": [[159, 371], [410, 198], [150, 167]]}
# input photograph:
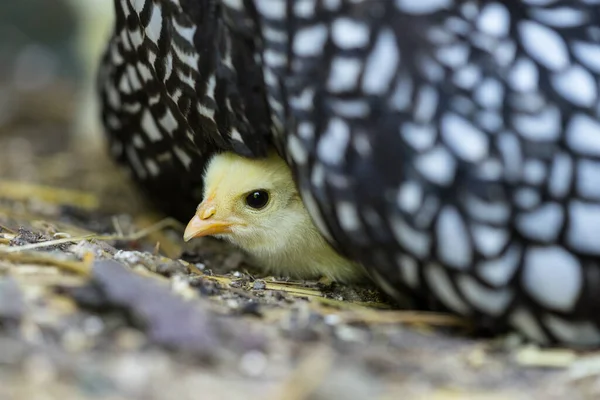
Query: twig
{"points": [[47, 243], [117, 225], [159, 226], [23, 191], [167, 246], [372, 313], [165, 223], [7, 229], [404, 317], [78, 267], [292, 290]]}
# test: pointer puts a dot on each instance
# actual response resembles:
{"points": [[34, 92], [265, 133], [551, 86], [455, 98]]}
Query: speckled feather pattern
{"points": [[174, 94], [453, 147]]}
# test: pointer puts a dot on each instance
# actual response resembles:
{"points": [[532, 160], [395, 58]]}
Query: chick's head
{"points": [[252, 203]]}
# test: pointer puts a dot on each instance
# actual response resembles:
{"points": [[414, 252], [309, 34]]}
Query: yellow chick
{"points": [[254, 204]]}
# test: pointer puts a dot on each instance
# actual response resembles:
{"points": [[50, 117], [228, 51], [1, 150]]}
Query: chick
{"points": [[254, 204]]}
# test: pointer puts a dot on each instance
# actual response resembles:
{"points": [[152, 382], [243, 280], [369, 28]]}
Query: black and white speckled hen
{"points": [[452, 147]]}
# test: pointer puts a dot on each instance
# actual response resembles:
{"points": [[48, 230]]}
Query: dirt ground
{"points": [[101, 299]]}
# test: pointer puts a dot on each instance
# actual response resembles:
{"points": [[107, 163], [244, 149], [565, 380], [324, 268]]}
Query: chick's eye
{"points": [[257, 199]]}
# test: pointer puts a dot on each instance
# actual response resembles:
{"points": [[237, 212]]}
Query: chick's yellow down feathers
{"points": [[254, 204]]}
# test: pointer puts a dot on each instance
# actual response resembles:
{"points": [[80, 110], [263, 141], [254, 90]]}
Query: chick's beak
{"points": [[203, 224]]}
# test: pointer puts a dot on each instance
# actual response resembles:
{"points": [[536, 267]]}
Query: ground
{"points": [[100, 298]]}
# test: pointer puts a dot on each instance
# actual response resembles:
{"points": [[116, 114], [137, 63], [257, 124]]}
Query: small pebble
{"points": [[253, 363], [61, 235], [93, 326], [237, 283], [251, 308], [332, 319], [200, 266], [233, 304]]}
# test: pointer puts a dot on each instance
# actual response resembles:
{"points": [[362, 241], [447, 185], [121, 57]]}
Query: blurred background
{"points": [[49, 52], [50, 130]]}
